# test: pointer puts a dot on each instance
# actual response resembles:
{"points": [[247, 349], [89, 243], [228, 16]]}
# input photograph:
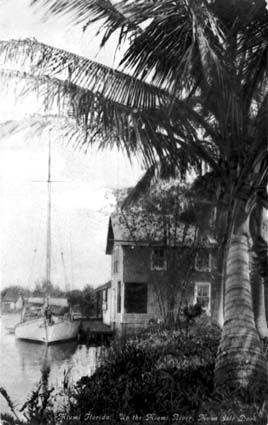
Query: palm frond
{"points": [[36, 125], [140, 189], [168, 36], [198, 58], [112, 16], [180, 45], [154, 132], [92, 118], [39, 59], [107, 89], [252, 59]]}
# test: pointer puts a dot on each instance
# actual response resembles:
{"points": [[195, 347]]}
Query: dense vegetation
{"points": [[162, 374], [84, 300]]}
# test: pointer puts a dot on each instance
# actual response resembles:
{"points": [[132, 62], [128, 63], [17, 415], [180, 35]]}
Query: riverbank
{"points": [[162, 375]]}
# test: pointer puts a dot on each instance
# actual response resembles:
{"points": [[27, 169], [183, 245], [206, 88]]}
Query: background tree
{"points": [[14, 292], [45, 288], [84, 300]]}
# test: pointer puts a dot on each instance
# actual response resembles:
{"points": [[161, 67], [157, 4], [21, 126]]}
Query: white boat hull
{"points": [[39, 330]]}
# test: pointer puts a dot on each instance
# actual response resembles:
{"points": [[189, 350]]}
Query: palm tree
{"points": [[206, 63], [259, 232]]}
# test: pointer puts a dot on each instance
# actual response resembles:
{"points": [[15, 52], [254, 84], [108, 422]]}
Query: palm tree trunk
{"points": [[240, 359], [260, 308], [258, 298], [223, 226], [219, 301], [258, 225], [221, 280]]}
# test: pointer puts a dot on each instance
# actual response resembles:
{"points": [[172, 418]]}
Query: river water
{"points": [[22, 363]]}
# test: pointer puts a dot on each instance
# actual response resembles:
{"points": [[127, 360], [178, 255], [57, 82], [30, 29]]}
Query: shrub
{"points": [[159, 372]]}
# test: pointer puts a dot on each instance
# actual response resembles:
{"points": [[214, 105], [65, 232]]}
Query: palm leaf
{"points": [[36, 58], [168, 36], [195, 63], [149, 128], [35, 126], [112, 16]]}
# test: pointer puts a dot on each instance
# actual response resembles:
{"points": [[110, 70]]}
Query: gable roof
{"points": [[10, 298], [142, 228]]}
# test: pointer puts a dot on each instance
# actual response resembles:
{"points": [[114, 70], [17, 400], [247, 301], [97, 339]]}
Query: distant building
{"points": [[11, 303], [104, 302], [144, 272]]}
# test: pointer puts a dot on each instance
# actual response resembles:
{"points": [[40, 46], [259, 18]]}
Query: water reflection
{"points": [[31, 354], [45, 371], [25, 364], [39, 359]]}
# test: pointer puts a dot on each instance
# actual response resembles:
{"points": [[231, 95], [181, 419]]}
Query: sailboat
{"points": [[47, 320]]}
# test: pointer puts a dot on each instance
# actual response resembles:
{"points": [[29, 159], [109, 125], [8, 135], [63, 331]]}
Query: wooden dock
{"points": [[94, 331]]}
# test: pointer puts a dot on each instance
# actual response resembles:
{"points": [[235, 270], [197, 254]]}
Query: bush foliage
{"points": [[159, 371]]}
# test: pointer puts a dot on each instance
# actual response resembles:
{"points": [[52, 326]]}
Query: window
{"points": [[202, 260], [159, 261], [116, 260], [202, 295], [136, 297], [116, 265], [119, 297], [105, 295], [105, 299]]}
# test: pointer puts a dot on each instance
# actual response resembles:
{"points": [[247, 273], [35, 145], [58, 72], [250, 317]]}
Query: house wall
{"points": [[9, 306], [137, 320], [116, 276], [134, 266], [19, 303], [106, 310], [137, 264], [137, 268]]}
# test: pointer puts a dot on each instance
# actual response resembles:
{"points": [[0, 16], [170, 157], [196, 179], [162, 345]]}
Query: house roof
{"points": [[106, 285], [142, 228], [7, 298]]}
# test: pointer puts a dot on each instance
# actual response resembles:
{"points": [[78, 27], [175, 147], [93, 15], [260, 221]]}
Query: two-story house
{"points": [[157, 265]]}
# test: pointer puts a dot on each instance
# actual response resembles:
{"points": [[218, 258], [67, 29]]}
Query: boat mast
{"points": [[67, 284], [48, 253]]}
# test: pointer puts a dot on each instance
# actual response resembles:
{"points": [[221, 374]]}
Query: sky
{"points": [[82, 197]]}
